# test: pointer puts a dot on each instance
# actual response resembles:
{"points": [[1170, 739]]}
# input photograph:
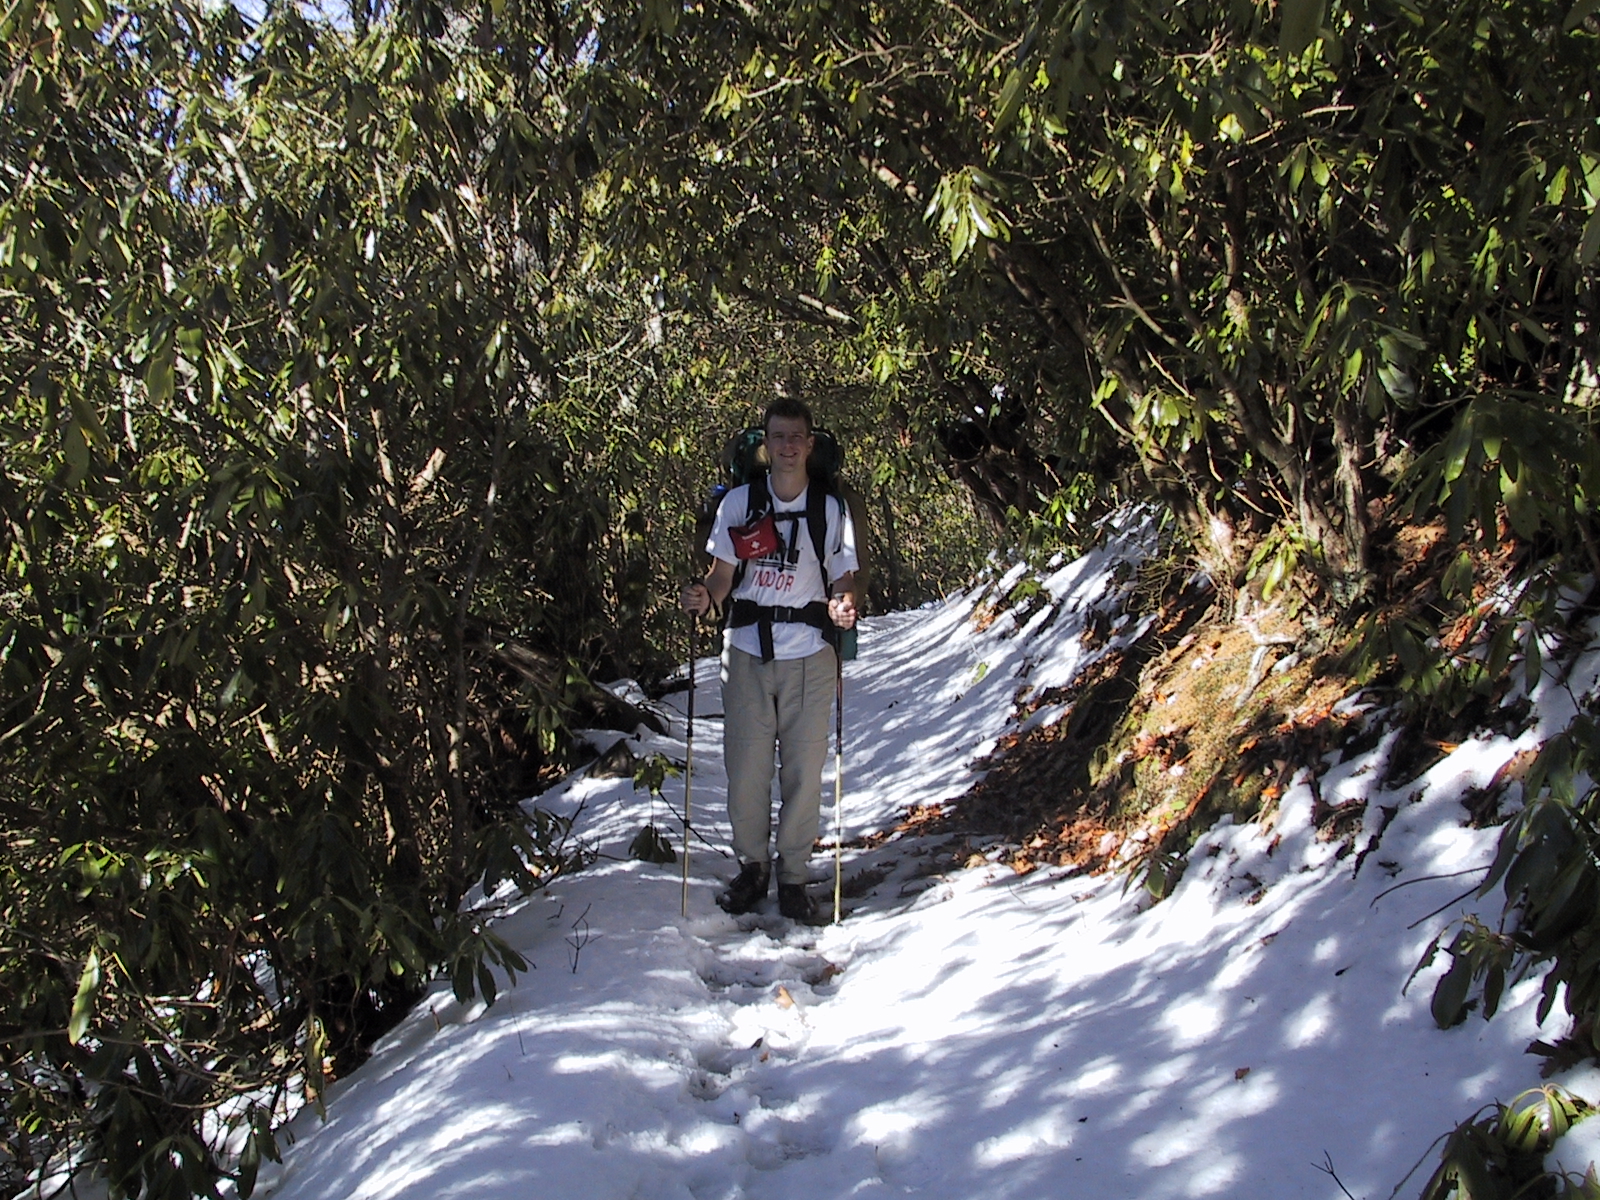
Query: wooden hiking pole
{"points": [[838, 785], [688, 766]]}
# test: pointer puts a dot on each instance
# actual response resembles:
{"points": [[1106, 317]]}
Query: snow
{"points": [[966, 1032], [1577, 1151]]}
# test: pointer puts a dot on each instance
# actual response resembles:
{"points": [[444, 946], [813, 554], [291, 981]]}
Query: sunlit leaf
{"points": [[83, 1002]]}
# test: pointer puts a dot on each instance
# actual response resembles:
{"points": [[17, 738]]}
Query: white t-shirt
{"points": [[773, 580]]}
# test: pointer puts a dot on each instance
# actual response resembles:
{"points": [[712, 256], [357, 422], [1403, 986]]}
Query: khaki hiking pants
{"points": [[783, 704]]}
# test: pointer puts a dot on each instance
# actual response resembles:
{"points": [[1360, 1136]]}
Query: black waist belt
{"points": [[765, 616]]}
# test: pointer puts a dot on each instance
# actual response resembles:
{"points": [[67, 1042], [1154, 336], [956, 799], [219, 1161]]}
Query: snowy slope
{"points": [[969, 1034]]}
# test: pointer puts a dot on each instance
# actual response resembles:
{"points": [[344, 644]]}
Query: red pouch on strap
{"points": [[757, 539]]}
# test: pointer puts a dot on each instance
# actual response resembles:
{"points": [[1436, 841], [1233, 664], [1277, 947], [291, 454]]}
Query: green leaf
{"points": [[75, 446], [1473, 1176], [84, 414], [1501, 647], [1010, 101], [651, 846], [316, 1056], [158, 376], [1506, 852], [1521, 1127], [1589, 248], [1297, 169], [1547, 996], [1552, 906], [1429, 953], [1396, 381], [1581, 12], [1494, 984], [1522, 509], [1561, 1113], [1409, 649], [461, 979], [249, 1166], [1450, 995], [83, 1002], [1457, 578], [509, 958], [1538, 331], [1282, 565], [1456, 449]]}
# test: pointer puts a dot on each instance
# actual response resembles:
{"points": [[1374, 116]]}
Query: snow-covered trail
{"points": [[965, 1034]]}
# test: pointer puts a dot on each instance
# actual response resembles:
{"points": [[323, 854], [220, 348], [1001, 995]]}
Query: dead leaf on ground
{"points": [[1514, 769]]}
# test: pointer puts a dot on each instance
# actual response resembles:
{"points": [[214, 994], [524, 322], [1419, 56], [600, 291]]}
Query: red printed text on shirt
{"points": [[778, 581]]}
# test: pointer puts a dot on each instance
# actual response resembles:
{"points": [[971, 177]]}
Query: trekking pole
{"points": [[688, 765], [838, 785]]}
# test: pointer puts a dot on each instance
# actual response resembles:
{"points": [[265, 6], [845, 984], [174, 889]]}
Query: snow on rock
{"points": [[967, 1032]]}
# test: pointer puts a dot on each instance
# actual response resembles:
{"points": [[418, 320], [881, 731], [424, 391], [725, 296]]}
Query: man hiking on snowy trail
{"points": [[783, 547]]}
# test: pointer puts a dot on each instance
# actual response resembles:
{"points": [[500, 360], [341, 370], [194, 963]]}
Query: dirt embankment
{"points": [[1213, 711]]}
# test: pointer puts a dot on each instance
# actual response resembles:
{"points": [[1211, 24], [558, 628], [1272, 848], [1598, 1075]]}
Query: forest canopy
{"points": [[362, 367]]}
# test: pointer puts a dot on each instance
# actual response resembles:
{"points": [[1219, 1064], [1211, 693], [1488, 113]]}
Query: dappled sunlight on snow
{"points": [[558, 1135], [966, 1033], [1046, 1133], [1476, 1089], [1191, 1022], [1311, 1024], [1004, 1086], [458, 1138], [895, 1124], [1204, 1125], [1098, 1077], [1237, 972]]}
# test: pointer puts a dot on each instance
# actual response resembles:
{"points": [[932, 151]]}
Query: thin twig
{"points": [[700, 837], [1326, 1167], [1424, 879], [1430, 915], [579, 937]]}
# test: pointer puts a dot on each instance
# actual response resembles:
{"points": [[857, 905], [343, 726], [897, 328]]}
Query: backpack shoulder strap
{"points": [[817, 526], [757, 502]]}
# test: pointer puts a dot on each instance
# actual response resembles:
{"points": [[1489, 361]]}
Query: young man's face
{"points": [[789, 442]]}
